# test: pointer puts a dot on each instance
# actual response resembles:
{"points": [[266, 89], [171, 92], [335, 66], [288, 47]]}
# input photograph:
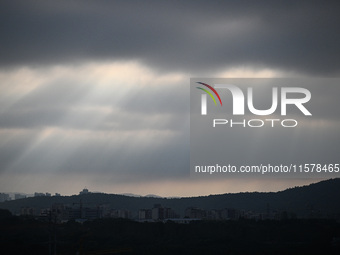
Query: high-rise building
{"points": [[145, 214]]}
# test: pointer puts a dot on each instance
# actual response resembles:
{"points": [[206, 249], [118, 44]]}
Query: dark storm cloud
{"points": [[173, 35]]}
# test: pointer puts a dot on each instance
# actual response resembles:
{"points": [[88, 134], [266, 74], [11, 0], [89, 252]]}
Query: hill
{"points": [[315, 200]]}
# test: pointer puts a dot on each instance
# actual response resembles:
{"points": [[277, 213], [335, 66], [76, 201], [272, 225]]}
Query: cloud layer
{"points": [[174, 35]]}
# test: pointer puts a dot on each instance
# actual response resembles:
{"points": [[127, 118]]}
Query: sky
{"points": [[96, 93]]}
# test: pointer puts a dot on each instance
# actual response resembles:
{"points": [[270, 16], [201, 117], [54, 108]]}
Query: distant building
{"points": [[93, 213], [59, 212], [84, 213], [214, 214], [229, 214], [123, 213], [157, 213], [84, 191], [195, 213], [145, 214], [4, 197], [170, 214], [120, 213], [38, 194], [57, 195], [19, 196]]}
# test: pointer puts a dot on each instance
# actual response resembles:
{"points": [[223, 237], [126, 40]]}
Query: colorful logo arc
{"points": [[209, 93]]}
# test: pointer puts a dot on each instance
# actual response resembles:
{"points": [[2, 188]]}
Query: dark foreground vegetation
{"points": [[19, 235]]}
